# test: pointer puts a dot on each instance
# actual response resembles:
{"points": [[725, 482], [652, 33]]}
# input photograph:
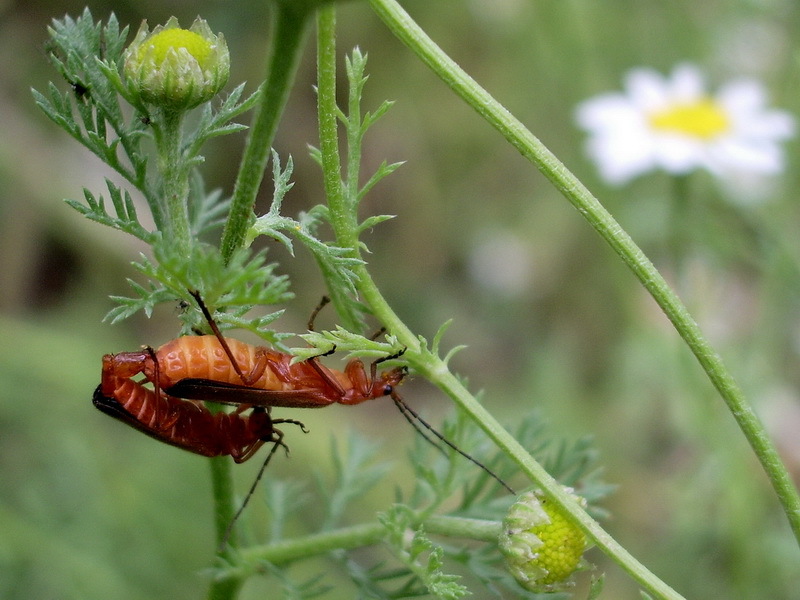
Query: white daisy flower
{"points": [[675, 125]]}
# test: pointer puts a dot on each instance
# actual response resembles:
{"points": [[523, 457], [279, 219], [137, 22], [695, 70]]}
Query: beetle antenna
{"points": [[215, 328], [276, 443], [322, 303], [415, 423], [416, 420]]}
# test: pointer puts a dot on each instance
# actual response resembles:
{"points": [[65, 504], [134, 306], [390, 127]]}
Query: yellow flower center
{"points": [[563, 546], [161, 42], [703, 119]]}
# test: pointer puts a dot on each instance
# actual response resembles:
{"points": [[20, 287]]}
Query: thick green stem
{"points": [[599, 218], [343, 216], [222, 492], [175, 180], [288, 33], [343, 219]]}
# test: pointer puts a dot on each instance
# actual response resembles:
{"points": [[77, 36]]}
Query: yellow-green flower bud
{"points": [[174, 68], [542, 548]]}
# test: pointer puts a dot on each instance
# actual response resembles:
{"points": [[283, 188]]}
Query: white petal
{"points": [[735, 155], [768, 125], [620, 158], [606, 112], [678, 154], [743, 96], [647, 89], [686, 83]]}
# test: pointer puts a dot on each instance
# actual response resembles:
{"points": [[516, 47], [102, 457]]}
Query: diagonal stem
{"points": [[288, 33], [601, 220]]}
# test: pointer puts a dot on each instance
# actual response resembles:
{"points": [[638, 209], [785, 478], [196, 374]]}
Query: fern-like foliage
{"points": [[239, 286], [420, 555], [289, 589], [216, 122], [331, 258], [125, 219], [84, 52], [414, 562], [98, 112], [337, 261]]}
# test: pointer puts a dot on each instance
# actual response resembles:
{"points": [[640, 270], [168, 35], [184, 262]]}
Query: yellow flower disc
{"points": [[161, 43], [541, 546], [704, 119], [563, 545]]}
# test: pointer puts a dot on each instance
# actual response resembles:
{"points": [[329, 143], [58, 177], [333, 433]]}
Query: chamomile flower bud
{"points": [[174, 68], [542, 548]]}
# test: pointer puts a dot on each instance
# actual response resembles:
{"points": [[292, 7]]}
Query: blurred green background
{"points": [[553, 320]]}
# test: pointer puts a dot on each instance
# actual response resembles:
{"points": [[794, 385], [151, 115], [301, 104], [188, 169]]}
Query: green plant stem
{"points": [[222, 492], [436, 371], [602, 221], [344, 218], [175, 179], [344, 223], [288, 32], [349, 538]]}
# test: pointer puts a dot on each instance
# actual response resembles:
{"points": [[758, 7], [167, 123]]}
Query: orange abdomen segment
{"points": [[203, 357], [183, 423]]}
